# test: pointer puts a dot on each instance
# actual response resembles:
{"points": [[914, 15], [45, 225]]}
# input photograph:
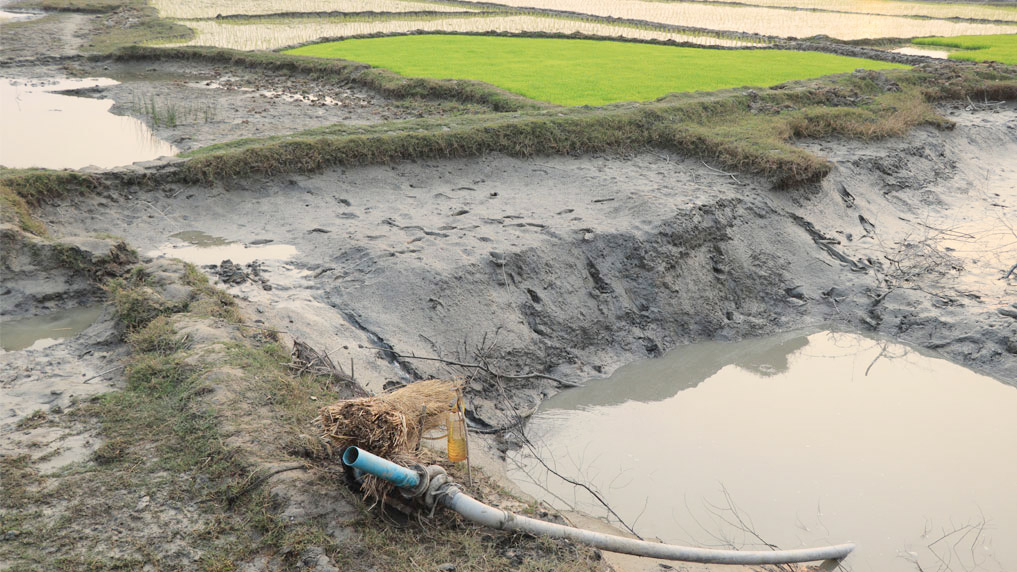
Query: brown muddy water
{"points": [[43, 331], [41, 128], [809, 439]]}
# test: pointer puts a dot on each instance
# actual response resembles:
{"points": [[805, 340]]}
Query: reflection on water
{"points": [[199, 247], [818, 439], [39, 128], [43, 331], [927, 52]]}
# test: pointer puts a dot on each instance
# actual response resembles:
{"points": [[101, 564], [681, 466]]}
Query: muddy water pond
{"points": [[43, 331], [803, 439], [41, 128]]}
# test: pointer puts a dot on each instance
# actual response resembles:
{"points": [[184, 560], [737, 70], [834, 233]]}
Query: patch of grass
{"points": [[1000, 47], [158, 337], [585, 72], [134, 304], [37, 418]]}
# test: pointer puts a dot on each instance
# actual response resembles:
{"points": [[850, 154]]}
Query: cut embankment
{"points": [[585, 72], [999, 48]]}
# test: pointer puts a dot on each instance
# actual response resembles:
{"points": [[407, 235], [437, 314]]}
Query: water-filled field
{"points": [[277, 33], [271, 25], [770, 21], [586, 72]]}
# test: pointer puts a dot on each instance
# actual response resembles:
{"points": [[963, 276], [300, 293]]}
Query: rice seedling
{"points": [[585, 72], [768, 21], [274, 34], [895, 8], [161, 113], [978, 48]]}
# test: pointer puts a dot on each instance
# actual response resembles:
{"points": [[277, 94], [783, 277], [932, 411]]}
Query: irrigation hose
{"points": [[440, 489]]}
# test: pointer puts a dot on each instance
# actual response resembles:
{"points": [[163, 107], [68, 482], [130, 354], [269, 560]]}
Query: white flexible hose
{"points": [[481, 513]]}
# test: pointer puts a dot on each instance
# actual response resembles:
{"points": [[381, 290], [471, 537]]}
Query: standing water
{"points": [[39, 128], [803, 440]]}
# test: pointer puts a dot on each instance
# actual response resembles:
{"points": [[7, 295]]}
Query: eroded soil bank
{"points": [[573, 266]]}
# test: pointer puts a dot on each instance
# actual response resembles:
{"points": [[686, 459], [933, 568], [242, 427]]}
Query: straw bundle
{"points": [[389, 425]]}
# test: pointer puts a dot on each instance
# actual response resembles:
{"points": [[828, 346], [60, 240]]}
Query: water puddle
{"points": [[44, 331], [927, 52], [806, 439], [201, 248], [8, 17], [40, 128]]}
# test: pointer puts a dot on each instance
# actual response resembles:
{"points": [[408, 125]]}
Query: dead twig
{"points": [[254, 480], [481, 367], [98, 375], [718, 171]]}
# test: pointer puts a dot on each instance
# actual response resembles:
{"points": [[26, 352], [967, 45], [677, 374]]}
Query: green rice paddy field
{"points": [[585, 72], [999, 48]]}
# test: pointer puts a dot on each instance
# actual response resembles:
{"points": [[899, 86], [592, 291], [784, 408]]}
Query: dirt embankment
{"points": [[573, 266]]}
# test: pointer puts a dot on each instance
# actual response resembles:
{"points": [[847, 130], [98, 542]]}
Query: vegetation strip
{"points": [[1001, 48], [751, 132], [585, 72]]}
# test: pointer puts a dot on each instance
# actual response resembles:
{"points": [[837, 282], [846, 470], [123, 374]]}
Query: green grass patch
{"points": [[999, 48], [585, 72]]}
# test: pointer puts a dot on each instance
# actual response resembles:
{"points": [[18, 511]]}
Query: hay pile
{"points": [[389, 425]]}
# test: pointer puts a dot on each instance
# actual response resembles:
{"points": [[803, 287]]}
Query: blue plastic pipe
{"points": [[452, 497], [381, 468]]}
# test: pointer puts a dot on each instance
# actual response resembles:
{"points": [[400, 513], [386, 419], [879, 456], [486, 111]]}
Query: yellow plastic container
{"points": [[456, 437]]}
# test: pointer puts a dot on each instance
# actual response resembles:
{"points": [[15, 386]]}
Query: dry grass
{"points": [[390, 425]]}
